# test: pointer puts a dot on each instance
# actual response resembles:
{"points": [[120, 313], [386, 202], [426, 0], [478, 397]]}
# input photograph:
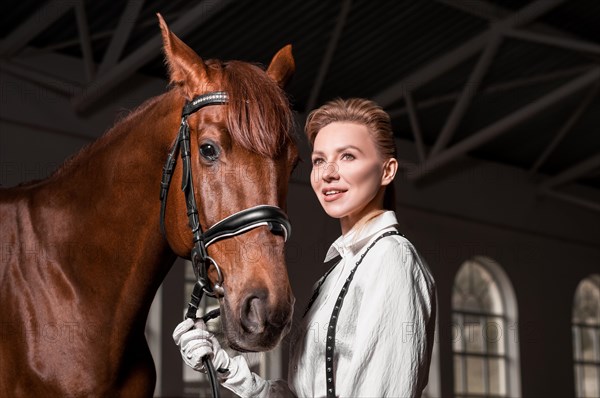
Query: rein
{"points": [[236, 224]]}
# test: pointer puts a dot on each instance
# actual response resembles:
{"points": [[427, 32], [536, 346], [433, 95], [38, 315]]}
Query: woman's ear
{"points": [[390, 167]]}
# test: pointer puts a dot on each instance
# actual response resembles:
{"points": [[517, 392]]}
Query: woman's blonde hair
{"points": [[364, 112]]}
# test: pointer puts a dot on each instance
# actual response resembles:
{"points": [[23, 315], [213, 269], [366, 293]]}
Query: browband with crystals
{"points": [[215, 98]]}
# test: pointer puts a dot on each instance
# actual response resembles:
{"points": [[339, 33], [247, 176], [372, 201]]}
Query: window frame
{"points": [[509, 355], [577, 328], [464, 353]]}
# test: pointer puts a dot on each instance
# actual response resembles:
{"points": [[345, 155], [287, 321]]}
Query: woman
{"points": [[380, 312]]}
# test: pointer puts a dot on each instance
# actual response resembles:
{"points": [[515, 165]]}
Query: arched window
{"points": [[586, 337], [484, 331]]}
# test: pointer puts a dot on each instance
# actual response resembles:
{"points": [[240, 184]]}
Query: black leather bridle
{"points": [[238, 223], [235, 224]]}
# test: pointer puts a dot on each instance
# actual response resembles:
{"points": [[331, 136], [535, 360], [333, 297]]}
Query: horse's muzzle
{"points": [[261, 326]]}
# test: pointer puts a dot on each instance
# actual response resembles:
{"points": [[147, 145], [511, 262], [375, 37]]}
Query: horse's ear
{"points": [[282, 66], [186, 68]]}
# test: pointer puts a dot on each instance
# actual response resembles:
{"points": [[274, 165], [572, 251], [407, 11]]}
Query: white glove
{"points": [[221, 360], [196, 342]]}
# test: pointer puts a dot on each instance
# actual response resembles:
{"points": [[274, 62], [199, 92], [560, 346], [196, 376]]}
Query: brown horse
{"points": [[82, 251]]}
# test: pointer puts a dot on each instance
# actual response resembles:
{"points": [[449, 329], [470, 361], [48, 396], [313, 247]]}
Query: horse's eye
{"points": [[209, 152]]}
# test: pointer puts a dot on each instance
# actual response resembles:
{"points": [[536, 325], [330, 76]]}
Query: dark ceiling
{"points": [[382, 44]]}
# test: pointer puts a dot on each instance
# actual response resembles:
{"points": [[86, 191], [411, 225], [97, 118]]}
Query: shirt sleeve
{"points": [[247, 384], [394, 326]]}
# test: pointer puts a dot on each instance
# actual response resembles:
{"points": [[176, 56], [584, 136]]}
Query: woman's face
{"points": [[348, 174]]}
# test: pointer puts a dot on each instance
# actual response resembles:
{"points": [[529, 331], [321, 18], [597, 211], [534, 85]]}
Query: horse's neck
{"points": [[105, 207]]}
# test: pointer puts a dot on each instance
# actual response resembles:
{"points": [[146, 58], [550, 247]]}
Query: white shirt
{"points": [[385, 328]]}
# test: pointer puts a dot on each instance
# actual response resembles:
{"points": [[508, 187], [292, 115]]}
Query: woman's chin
{"points": [[333, 211]]}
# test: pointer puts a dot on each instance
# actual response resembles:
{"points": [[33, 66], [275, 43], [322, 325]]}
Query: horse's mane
{"points": [[259, 116]]}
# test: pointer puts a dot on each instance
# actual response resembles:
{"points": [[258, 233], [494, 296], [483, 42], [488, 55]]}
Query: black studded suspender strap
{"points": [[330, 343], [315, 294]]}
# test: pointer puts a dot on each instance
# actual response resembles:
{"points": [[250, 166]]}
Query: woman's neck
{"points": [[370, 211], [348, 225]]}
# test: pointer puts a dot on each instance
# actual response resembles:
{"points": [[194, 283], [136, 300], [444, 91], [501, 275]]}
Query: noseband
{"points": [[238, 223]]}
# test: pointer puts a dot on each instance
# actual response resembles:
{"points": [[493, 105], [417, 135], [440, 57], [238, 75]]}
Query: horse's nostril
{"points": [[254, 313]]}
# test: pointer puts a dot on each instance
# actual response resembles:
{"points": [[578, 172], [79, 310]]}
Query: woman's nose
{"points": [[330, 171]]}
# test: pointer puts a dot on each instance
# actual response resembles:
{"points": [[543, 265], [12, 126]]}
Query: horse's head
{"points": [[242, 155]]}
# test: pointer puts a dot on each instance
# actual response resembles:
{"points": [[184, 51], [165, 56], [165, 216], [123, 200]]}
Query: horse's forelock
{"points": [[259, 116]]}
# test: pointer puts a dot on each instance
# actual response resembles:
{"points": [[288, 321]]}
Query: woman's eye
{"points": [[347, 156], [209, 152], [317, 162]]}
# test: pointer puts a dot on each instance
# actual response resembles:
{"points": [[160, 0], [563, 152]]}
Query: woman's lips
{"points": [[329, 195]]}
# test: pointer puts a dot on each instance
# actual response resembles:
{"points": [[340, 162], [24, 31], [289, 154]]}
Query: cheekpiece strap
{"points": [[214, 98], [182, 145]]}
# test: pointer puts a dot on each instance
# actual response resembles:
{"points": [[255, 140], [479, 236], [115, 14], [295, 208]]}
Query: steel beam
{"points": [[104, 33], [85, 41], [430, 71], [121, 35], [190, 20], [451, 59], [588, 204], [567, 44], [35, 24], [39, 78], [503, 125], [470, 89], [579, 170], [328, 57], [494, 88], [564, 130], [492, 12], [415, 126]]}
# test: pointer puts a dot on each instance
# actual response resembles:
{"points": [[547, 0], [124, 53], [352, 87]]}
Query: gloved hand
{"points": [[195, 342], [221, 360]]}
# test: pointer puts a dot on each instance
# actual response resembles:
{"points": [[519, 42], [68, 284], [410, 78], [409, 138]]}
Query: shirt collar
{"points": [[357, 238]]}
